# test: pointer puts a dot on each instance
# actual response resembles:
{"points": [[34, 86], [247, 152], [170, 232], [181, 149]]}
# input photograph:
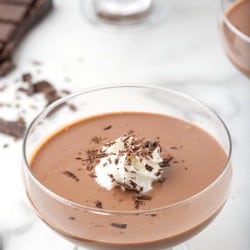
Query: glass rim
{"points": [[59, 198], [230, 25]]}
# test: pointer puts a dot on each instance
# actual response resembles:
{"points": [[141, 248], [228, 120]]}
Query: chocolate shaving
{"points": [[96, 139], [158, 173], [138, 203], [92, 175], [166, 161], [72, 218], [133, 184], [13, 128], [72, 107], [71, 175], [142, 197], [108, 127], [98, 204], [43, 87], [139, 200], [27, 77], [149, 168], [119, 225]]}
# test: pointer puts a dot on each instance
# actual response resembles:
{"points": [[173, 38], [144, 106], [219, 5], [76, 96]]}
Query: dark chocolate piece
{"points": [[13, 128], [17, 1], [16, 19], [12, 13], [6, 31]]}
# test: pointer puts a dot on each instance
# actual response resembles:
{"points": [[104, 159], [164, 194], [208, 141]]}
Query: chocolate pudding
{"points": [[88, 213], [236, 35]]}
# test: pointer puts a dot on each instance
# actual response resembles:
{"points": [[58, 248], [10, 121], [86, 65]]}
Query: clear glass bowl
{"points": [[235, 43], [124, 14], [146, 229]]}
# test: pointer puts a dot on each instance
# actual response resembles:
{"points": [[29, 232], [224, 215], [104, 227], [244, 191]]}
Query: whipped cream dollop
{"points": [[130, 163]]}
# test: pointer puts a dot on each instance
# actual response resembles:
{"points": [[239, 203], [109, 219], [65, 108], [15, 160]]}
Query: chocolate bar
{"points": [[16, 18]]}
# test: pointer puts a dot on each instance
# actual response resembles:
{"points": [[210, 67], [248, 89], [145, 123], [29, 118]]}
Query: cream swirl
{"points": [[130, 163]]}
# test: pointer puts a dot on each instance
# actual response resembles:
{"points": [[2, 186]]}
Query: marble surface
{"points": [[183, 53]]}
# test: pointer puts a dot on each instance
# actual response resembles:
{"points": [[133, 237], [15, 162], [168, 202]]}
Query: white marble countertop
{"points": [[183, 52]]}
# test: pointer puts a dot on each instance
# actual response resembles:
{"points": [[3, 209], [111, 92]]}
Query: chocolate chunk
{"points": [[13, 128], [16, 18], [119, 225]]}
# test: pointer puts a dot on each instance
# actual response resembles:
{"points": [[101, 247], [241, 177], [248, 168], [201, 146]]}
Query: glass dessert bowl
{"points": [[62, 187], [234, 29]]}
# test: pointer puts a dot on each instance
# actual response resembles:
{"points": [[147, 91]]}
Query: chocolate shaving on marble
{"points": [[17, 17], [15, 129]]}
